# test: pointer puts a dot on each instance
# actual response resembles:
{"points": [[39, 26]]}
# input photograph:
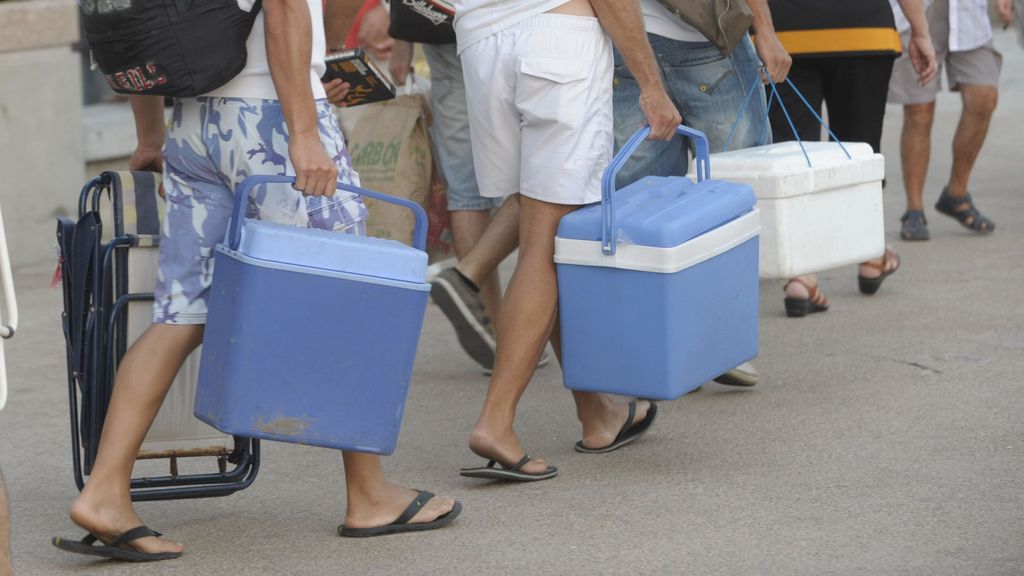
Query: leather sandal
{"points": [[890, 264], [800, 307]]}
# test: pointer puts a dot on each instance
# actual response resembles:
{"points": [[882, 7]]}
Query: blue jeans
{"points": [[708, 88], [449, 130]]}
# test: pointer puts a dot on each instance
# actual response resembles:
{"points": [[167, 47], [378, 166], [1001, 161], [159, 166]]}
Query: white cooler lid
{"points": [[781, 171], [661, 260]]}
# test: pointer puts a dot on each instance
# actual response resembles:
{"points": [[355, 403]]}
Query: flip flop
{"points": [[113, 550], [511, 473], [630, 431], [869, 286], [401, 524]]}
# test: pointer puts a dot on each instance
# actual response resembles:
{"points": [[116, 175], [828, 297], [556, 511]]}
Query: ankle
{"points": [[469, 281]]}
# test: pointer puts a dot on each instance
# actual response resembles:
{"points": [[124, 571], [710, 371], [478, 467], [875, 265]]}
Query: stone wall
{"points": [[41, 152]]}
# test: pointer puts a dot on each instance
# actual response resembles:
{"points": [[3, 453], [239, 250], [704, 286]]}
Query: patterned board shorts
{"points": [[212, 145]]}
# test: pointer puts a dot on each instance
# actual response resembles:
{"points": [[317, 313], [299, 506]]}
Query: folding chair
{"points": [[108, 274]]}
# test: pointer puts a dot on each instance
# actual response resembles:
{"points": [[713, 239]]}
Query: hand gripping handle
{"points": [[419, 235], [608, 233]]}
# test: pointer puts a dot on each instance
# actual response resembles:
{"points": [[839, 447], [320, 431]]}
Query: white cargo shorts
{"points": [[540, 109]]}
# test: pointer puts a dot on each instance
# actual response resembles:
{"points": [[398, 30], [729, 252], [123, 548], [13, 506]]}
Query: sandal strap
{"points": [[890, 256], [133, 535], [414, 507], [813, 294], [629, 421]]}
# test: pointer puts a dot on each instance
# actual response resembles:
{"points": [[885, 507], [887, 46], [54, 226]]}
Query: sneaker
{"points": [[465, 310], [743, 375]]}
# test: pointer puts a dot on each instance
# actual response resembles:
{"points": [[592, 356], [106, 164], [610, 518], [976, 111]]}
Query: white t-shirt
{"points": [[254, 80], [478, 19], [659, 20]]}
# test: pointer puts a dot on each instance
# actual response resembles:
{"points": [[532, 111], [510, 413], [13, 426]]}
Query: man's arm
{"points": [[771, 52], [624, 24], [149, 133], [289, 29], [1005, 10], [338, 18], [922, 52]]}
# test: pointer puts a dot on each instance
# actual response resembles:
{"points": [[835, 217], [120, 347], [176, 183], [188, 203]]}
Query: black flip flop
{"points": [[113, 550], [629, 432], [511, 473], [401, 524]]}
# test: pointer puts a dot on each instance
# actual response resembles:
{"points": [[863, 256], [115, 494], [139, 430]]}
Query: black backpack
{"points": [[423, 21], [167, 47]]}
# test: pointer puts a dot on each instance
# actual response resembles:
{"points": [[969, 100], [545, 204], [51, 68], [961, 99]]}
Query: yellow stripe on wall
{"points": [[841, 40]]}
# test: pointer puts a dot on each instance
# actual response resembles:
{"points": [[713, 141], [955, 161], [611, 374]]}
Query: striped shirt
{"points": [[835, 27]]}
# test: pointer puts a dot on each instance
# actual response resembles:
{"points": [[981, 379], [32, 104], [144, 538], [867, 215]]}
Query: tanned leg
{"points": [[916, 150], [145, 374], [979, 102], [468, 226]]}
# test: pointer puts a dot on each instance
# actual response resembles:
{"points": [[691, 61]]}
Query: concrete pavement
{"points": [[886, 437]]}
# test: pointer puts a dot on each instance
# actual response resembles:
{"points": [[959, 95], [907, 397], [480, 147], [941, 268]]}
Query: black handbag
{"points": [[423, 21], [167, 47], [722, 22]]}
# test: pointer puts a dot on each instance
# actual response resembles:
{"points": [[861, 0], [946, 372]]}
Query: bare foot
{"points": [[108, 517], [503, 448], [385, 506], [601, 426]]}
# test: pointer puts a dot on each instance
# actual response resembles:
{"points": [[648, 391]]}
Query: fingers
{"points": [[660, 113], [337, 91]]}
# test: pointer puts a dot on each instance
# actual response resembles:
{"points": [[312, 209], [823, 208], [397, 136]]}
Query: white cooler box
{"points": [[813, 218]]}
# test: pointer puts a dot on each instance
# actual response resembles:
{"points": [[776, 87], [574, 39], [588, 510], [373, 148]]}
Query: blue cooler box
{"points": [[658, 284], [312, 334]]}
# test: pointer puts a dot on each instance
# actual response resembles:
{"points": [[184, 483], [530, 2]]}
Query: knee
{"points": [[982, 101], [919, 115]]}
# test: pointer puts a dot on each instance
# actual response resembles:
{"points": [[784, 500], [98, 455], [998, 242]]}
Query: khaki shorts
{"points": [[540, 109], [978, 67]]}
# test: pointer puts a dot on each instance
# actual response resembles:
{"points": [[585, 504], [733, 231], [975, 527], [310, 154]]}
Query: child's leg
{"points": [[373, 501], [145, 374]]}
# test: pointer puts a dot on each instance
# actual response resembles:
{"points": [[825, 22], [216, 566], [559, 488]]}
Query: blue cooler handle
{"points": [[703, 162], [419, 234]]}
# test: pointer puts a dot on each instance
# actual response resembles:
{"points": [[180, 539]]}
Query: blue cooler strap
{"points": [[774, 96], [419, 234], [700, 141]]}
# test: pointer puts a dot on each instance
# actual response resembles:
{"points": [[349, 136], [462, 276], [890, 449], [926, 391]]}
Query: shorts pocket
{"points": [[552, 91]]}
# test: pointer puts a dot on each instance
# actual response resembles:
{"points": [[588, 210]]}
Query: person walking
{"points": [[273, 118], [962, 35], [430, 25], [710, 89], [539, 92], [843, 55]]}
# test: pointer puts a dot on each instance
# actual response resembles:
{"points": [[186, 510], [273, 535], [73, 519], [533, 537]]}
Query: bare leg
{"points": [[6, 567], [530, 318], [104, 507], [528, 315], [600, 416], [468, 227], [915, 150], [495, 244], [979, 102], [373, 501]]}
